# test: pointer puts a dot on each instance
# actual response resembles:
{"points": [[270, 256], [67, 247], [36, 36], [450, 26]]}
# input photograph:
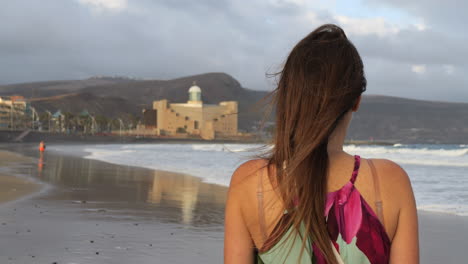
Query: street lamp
{"points": [[109, 126], [33, 111], [93, 124], [120, 126], [11, 116]]}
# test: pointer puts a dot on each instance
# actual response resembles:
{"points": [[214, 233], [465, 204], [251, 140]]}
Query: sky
{"points": [[410, 48]]}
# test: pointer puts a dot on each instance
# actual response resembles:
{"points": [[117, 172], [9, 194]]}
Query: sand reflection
{"points": [[126, 190], [181, 188]]}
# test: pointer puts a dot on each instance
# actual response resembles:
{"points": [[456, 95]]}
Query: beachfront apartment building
{"points": [[195, 117], [12, 111]]}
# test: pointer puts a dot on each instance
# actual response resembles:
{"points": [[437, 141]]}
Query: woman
{"points": [[309, 201]]}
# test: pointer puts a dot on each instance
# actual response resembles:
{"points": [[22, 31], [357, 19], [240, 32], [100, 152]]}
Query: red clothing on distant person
{"points": [[42, 146]]}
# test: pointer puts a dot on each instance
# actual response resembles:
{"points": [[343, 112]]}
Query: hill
{"points": [[410, 121], [119, 96], [51, 88], [380, 117]]}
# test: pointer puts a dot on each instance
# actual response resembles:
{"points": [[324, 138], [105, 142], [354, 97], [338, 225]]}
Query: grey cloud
{"points": [[396, 79], [57, 39], [417, 47], [447, 15]]}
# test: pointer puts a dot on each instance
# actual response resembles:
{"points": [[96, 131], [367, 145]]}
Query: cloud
{"points": [[418, 68], [449, 69], [166, 39], [105, 4], [397, 79], [421, 26], [366, 26], [446, 15]]}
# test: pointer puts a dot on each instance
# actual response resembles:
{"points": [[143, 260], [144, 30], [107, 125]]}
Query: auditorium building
{"points": [[208, 121]]}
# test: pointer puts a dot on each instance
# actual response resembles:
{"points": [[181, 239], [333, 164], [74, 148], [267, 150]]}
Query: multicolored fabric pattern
{"points": [[356, 232]]}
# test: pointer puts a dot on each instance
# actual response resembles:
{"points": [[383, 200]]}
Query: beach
{"points": [[97, 212], [443, 238], [14, 187]]}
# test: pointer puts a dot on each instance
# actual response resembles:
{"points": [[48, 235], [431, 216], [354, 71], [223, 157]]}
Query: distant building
{"points": [[12, 111], [194, 117], [58, 122]]}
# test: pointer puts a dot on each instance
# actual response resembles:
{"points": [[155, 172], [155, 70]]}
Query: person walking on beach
{"points": [[42, 146], [308, 201]]}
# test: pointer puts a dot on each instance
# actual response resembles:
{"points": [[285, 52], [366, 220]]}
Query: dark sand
{"points": [[96, 212]]}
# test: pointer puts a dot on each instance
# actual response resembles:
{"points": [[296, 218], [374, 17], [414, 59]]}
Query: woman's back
{"points": [[319, 89], [354, 227], [259, 200]]}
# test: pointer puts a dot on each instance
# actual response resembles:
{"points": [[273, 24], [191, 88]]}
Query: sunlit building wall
{"points": [[195, 117]]}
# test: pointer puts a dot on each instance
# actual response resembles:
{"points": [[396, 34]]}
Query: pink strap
{"points": [[357, 164]]}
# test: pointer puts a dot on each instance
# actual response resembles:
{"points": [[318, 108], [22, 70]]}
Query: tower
{"points": [[194, 94]]}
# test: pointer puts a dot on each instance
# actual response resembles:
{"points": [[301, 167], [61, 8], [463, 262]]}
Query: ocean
{"points": [[439, 173]]}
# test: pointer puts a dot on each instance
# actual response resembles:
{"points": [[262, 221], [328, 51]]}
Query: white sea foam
{"points": [[454, 209], [438, 172], [432, 155]]}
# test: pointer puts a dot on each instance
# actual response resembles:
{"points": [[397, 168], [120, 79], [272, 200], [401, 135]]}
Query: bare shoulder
{"points": [[390, 171], [393, 178], [245, 173], [243, 186]]}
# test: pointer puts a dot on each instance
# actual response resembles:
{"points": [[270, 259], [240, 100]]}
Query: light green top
{"points": [[288, 251]]}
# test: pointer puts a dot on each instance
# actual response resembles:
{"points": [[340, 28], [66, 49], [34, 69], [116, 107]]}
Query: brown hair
{"points": [[321, 81]]}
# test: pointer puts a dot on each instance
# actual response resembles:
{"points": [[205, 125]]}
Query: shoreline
{"points": [[84, 155], [36, 136], [14, 187]]}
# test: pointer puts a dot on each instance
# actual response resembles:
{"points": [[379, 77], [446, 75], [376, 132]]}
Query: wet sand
{"points": [[443, 238], [14, 187], [96, 212]]}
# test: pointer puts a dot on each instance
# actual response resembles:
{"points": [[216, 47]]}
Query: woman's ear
{"points": [[357, 104]]}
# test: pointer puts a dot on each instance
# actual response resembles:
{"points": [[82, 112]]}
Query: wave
{"points": [[453, 209], [434, 150], [228, 147], [402, 149], [432, 163]]}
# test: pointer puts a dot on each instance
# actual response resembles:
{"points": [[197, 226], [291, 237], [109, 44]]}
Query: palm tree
{"points": [[102, 122], [70, 121]]}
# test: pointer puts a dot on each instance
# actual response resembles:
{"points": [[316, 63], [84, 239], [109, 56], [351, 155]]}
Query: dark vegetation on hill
{"points": [[380, 117]]}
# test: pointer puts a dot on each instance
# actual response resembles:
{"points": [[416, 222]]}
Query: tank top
{"points": [[356, 231]]}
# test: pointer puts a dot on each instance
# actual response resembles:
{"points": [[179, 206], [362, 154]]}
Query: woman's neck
{"points": [[337, 138]]}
